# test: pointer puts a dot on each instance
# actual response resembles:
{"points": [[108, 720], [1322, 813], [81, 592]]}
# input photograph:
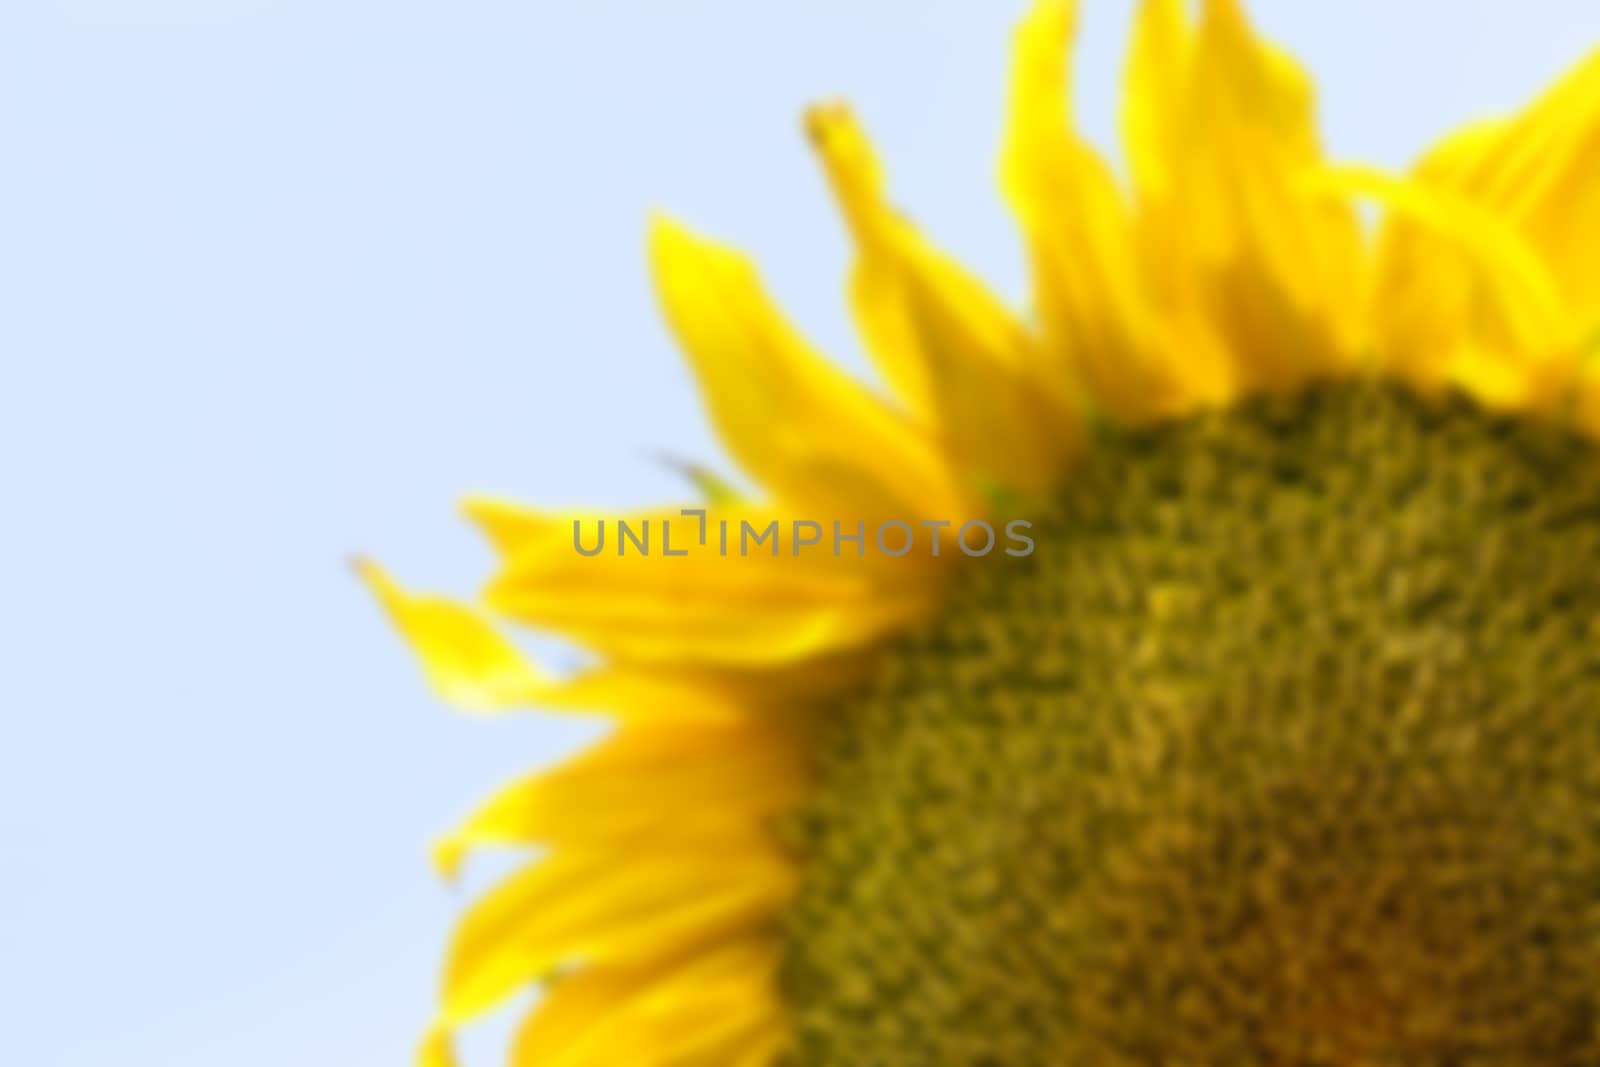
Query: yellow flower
{"points": [[1267, 736]]}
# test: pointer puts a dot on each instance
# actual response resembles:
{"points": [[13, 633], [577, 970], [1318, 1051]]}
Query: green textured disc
{"points": [[1282, 749]]}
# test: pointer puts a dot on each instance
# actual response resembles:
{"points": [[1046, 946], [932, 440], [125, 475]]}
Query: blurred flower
{"points": [[1279, 749]]}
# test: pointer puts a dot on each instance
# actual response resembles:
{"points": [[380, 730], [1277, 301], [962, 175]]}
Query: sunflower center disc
{"points": [[1283, 748]]}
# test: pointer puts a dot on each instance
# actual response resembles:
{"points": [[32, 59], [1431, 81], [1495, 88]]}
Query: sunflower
{"points": [[1276, 743]]}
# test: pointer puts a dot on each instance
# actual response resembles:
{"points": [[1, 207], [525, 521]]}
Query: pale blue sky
{"points": [[279, 281]]}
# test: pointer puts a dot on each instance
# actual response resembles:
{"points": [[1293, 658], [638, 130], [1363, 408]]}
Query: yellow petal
{"points": [[1222, 141], [722, 1003], [473, 665], [580, 907], [1155, 100], [763, 608], [1095, 304], [1461, 299], [574, 1016], [437, 1050], [509, 526], [818, 440], [717, 1030], [1514, 324], [958, 358], [674, 783], [765, 1045], [685, 696], [1538, 173], [466, 660]]}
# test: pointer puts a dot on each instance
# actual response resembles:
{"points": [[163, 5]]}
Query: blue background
{"points": [[279, 282]]}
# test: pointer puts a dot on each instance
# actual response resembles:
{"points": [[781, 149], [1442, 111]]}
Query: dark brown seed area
{"points": [[1282, 749]]}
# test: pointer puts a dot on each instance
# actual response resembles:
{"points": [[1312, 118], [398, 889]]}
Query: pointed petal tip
{"points": [[838, 140], [667, 235], [827, 121], [507, 526], [448, 854], [377, 580], [852, 167], [680, 257], [1041, 50], [437, 1049], [465, 658]]}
